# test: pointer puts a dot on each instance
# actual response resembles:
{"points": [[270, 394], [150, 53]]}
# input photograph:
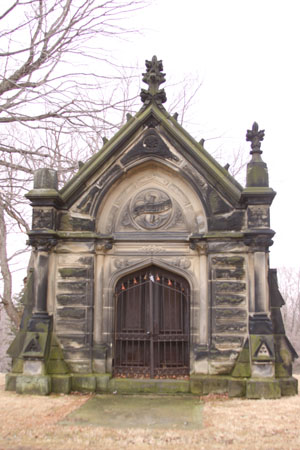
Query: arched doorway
{"points": [[152, 324]]}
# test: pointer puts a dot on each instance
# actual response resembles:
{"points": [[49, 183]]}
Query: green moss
{"points": [[56, 353], [288, 386], [102, 381], [148, 386], [57, 366], [71, 272], [83, 383], [61, 384], [263, 388], [236, 388], [33, 385], [10, 381], [241, 370], [17, 365]]}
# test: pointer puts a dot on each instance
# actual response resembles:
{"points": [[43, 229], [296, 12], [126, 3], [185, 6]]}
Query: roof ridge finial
{"points": [[255, 136], [257, 171], [154, 78]]}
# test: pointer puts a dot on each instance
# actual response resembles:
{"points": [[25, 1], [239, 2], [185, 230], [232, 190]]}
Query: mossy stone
{"points": [[61, 384], [10, 381], [102, 381], [288, 386], [33, 384], [57, 366], [236, 388], [83, 383], [241, 370], [196, 385], [17, 365], [148, 386], [263, 388]]}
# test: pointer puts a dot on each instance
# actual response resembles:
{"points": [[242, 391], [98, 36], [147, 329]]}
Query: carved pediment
{"points": [[152, 200]]}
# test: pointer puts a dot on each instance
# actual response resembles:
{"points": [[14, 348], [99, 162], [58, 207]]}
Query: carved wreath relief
{"points": [[151, 209]]}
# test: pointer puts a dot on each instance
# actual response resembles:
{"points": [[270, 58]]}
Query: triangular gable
{"points": [[134, 131]]}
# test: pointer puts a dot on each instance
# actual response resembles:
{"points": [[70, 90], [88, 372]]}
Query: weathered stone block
{"points": [[83, 383], [81, 224], [34, 385], [196, 385], [56, 353], [229, 286], [288, 386], [71, 299], [229, 313], [71, 313], [57, 366], [241, 370], [32, 367], [228, 274], [215, 385], [220, 367], [236, 388], [147, 386], [10, 381], [17, 365], [225, 342], [266, 388], [76, 287], [71, 326], [61, 384], [79, 367], [73, 272], [229, 327], [228, 300], [236, 261], [102, 381]]}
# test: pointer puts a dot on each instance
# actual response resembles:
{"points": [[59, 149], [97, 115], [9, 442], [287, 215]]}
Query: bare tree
{"points": [[289, 284], [59, 95]]}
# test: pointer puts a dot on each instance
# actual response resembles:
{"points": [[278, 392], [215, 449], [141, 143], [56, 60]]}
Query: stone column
{"points": [[99, 348], [42, 247], [203, 292]]}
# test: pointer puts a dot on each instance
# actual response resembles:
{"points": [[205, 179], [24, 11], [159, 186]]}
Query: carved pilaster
{"points": [[259, 244]]}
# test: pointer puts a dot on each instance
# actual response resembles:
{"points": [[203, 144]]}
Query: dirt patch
{"points": [[30, 422]]}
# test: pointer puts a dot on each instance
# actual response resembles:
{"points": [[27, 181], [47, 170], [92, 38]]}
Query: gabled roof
{"points": [[153, 114]]}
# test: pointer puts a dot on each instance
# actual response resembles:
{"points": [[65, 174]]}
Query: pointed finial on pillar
{"points": [[257, 171], [154, 78], [255, 136]]}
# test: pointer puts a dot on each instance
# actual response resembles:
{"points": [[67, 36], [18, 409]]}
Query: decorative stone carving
{"points": [[255, 136], [152, 249], [123, 263], [154, 78], [33, 345], [87, 202], [42, 243], [151, 209], [182, 263], [151, 145]]}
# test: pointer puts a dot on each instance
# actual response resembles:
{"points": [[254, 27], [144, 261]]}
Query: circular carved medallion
{"points": [[151, 209]]}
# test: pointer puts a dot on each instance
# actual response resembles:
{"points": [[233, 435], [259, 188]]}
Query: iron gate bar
{"points": [[153, 323]]}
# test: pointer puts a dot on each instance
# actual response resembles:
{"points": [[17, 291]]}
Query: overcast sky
{"points": [[246, 53]]}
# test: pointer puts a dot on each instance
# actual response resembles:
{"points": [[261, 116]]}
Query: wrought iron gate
{"points": [[152, 324]]}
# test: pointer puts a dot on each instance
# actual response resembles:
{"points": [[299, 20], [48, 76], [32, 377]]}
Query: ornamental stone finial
{"points": [[257, 171], [255, 136], [154, 78]]}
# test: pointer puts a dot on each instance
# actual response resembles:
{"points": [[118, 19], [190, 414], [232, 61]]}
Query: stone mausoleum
{"points": [[151, 271]]}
